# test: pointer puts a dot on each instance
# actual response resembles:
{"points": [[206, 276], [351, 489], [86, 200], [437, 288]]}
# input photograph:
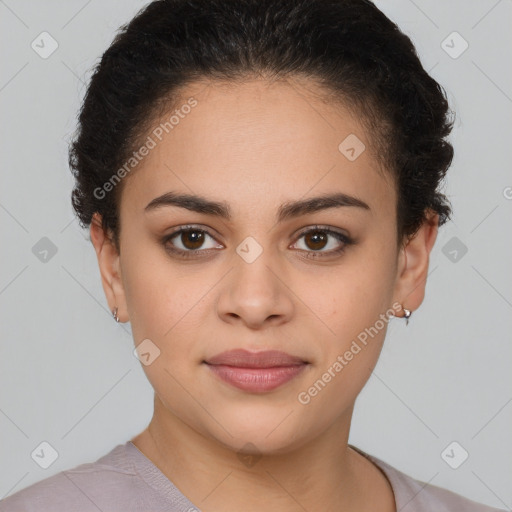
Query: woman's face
{"points": [[257, 280]]}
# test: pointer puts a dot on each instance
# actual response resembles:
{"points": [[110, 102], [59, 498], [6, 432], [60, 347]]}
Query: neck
{"points": [[322, 474]]}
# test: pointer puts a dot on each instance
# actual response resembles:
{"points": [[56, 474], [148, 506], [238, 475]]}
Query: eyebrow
{"points": [[286, 211]]}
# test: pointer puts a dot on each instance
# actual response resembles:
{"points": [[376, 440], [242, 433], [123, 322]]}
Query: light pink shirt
{"points": [[125, 480]]}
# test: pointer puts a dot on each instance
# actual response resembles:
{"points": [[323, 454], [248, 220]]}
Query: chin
{"points": [[265, 432]]}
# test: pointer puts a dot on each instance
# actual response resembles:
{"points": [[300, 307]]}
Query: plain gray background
{"points": [[68, 374]]}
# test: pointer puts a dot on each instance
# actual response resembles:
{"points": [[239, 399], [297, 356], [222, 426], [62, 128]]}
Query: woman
{"points": [[261, 183]]}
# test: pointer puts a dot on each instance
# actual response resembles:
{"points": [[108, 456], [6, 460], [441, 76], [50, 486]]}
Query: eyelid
{"points": [[320, 227], [343, 238], [191, 227], [303, 231]]}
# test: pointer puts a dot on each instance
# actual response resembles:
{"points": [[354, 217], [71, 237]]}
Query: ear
{"points": [[413, 264], [110, 268]]}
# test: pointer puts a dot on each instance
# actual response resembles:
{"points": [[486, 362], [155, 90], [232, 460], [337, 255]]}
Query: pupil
{"points": [[318, 238], [192, 239]]}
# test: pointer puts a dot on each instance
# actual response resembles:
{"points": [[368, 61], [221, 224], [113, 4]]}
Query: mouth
{"points": [[256, 372]]}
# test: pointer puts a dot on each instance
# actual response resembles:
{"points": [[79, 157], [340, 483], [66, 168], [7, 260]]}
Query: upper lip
{"points": [[245, 359]]}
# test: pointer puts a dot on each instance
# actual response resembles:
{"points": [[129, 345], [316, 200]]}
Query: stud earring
{"points": [[114, 314], [407, 315]]}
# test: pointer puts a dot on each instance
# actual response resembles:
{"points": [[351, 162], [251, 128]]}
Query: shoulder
{"points": [[413, 495], [84, 488]]}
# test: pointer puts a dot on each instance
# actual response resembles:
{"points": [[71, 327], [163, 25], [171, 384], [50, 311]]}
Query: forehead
{"points": [[256, 143]]}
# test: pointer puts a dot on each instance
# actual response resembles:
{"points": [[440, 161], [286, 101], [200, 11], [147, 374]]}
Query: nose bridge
{"points": [[254, 271], [255, 289]]}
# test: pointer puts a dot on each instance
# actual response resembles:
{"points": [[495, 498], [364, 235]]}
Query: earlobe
{"points": [[413, 264], [109, 266]]}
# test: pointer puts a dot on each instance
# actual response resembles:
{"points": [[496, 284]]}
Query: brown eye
{"points": [[192, 239], [190, 242], [316, 240]]}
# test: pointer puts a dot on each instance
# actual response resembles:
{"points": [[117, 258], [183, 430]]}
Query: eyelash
{"points": [[346, 241]]}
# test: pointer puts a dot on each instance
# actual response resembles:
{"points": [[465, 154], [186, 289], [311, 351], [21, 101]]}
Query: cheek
{"points": [[163, 304], [157, 293], [356, 293], [355, 304], [359, 316]]}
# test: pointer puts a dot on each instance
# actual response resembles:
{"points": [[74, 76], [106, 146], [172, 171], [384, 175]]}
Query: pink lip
{"points": [[256, 371]]}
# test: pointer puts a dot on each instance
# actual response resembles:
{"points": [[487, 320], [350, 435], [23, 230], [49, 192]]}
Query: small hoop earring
{"points": [[114, 314], [407, 315]]}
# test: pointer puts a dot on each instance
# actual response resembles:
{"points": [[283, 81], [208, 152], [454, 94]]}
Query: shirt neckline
{"points": [[153, 477], [389, 473]]}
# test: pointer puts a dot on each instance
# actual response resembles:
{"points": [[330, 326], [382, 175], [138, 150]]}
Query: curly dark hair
{"points": [[349, 47]]}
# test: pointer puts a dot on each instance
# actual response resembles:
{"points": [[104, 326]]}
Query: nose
{"points": [[256, 293]]}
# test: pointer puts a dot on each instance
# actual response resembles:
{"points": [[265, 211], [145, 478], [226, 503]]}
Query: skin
{"points": [[256, 145]]}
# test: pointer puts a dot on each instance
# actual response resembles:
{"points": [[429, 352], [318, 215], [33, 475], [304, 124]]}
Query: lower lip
{"points": [[256, 380]]}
